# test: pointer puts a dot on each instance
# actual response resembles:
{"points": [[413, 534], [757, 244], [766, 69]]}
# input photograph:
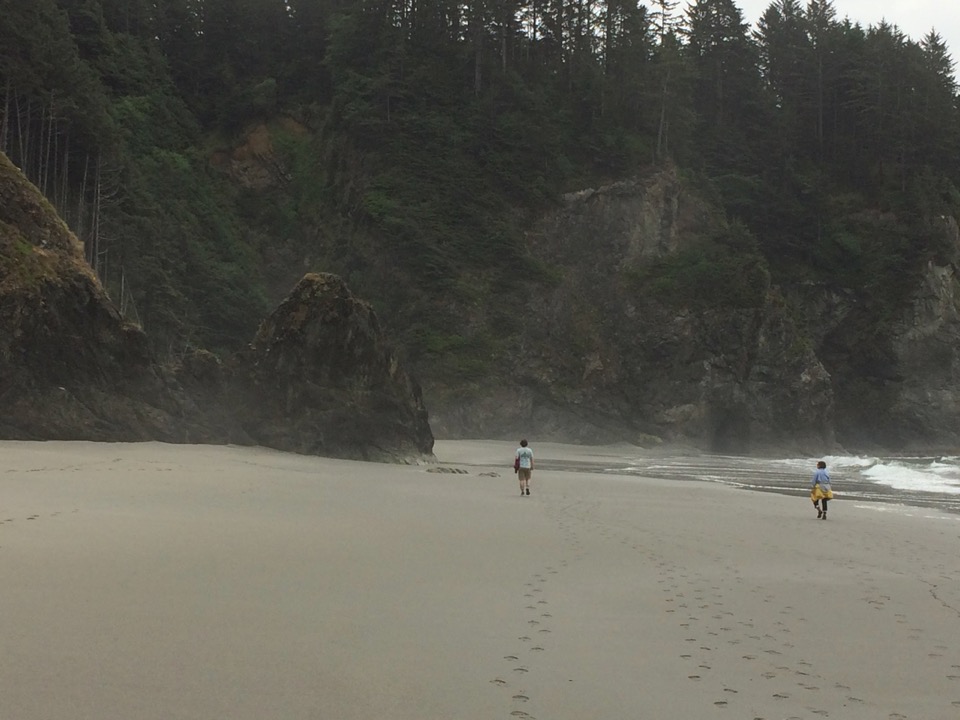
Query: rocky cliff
{"points": [[318, 378], [631, 343], [70, 367], [610, 353], [897, 383]]}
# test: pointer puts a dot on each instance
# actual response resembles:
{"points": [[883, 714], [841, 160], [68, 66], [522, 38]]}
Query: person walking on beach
{"points": [[524, 464], [820, 491]]}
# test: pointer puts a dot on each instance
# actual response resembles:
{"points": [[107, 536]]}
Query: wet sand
{"points": [[158, 581]]}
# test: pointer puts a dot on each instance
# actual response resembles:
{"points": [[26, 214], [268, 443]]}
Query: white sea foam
{"points": [[923, 475], [924, 480]]}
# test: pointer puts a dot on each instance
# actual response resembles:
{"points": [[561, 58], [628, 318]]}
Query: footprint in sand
{"points": [[512, 658], [521, 698]]}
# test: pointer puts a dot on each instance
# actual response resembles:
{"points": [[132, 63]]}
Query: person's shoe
{"points": [[824, 516], [528, 491], [819, 513]]}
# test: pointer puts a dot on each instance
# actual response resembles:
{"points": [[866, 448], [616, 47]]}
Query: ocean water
{"points": [[923, 482]]}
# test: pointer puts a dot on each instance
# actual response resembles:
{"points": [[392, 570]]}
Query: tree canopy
{"points": [[437, 127]]}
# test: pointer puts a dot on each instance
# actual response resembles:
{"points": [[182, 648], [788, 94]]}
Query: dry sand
{"points": [[156, 581]]}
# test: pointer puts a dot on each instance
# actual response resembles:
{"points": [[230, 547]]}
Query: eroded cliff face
{"points": [[601, 362], [806, 367], [911, 399]]}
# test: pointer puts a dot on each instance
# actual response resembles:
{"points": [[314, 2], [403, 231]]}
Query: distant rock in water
{"points": [[320, 378]]}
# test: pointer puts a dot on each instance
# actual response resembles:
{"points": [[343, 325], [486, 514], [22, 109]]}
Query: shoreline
{"points": [[749, 473], [161, 581]]}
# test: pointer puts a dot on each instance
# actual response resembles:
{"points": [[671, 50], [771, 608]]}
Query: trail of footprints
{"points": [[34, 516], [537, 627], [715, 636], [534, 640]]}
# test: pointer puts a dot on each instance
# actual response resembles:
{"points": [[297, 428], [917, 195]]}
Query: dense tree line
{"points": [[436, 124]]}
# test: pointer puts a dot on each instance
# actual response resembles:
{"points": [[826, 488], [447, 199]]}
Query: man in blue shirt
{"points": [[524, 467]]}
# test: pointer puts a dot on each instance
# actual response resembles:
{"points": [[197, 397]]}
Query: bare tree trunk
{"points": [[95, 219], [81, 203], [45, 162], [5, 120], [662, 127], [475, 28], [38, 173], [65, 174], [22, 142]]}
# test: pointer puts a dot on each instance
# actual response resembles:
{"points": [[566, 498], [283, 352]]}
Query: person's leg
{"points": [[816, 504], [529, 475], [824, 509]]}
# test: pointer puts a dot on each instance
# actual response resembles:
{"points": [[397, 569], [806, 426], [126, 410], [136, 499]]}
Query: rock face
{"points": [[320, 379], [901, 390], [70, 368], [806, 367], [600, 362]]}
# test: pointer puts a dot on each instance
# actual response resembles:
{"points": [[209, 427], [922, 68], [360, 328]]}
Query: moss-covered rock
{"points": [[320, 378]]}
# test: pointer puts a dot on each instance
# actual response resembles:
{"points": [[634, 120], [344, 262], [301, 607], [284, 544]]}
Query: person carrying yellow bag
{"points": [[820, 491]]}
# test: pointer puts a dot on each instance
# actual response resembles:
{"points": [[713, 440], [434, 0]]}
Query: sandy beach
{"points": [[142, 581]]}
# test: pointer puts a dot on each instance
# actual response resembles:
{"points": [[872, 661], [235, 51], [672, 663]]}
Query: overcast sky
{"points": [[914, 17]]}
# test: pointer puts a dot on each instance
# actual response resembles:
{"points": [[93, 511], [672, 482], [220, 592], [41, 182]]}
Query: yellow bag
{"points": [[818, 492]]}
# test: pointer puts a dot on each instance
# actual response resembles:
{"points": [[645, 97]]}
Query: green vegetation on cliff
{"points": [[432, 132]]}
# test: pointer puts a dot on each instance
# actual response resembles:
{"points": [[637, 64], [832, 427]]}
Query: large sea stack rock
{"points": [[70, 367], [319, 378]]}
